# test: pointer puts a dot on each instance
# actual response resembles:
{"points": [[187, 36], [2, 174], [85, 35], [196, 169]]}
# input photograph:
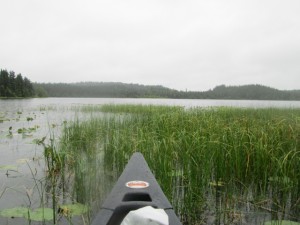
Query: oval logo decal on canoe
{"points": [[137, 184]]}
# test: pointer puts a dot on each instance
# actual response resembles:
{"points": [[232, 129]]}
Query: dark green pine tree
{"points": [[4, 81], [27, 88], [1, 84], [12, 84], [19, 86], [15, 86]]}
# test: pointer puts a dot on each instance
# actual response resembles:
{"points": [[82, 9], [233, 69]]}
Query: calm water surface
{"points": [[36, 102], [24, 121]]}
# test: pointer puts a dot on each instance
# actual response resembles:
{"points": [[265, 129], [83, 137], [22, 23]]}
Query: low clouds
{"points": [[192, 45]]}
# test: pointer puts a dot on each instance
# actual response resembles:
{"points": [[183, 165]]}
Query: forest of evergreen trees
{"points": [[13, 86], [252, 92], [107, 90], [123, 90]]}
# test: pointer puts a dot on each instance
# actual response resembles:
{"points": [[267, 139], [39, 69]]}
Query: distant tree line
{"points": [[252, 92], [12, 85], [122, 90], [106, 90]]}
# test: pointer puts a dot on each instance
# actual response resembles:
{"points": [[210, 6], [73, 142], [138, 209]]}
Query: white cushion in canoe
{"points": [[146, 216]]}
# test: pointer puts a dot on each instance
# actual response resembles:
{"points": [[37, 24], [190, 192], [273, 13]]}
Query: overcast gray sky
{"points": [[180, 44]]}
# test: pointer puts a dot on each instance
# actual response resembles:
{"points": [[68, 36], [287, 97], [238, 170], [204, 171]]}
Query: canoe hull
{"points": [[135, 188]]}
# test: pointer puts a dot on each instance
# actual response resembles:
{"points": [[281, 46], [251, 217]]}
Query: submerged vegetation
{"points": [[216, 165]]}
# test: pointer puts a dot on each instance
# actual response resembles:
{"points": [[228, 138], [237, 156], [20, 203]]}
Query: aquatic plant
{"points": [[206, 159]]}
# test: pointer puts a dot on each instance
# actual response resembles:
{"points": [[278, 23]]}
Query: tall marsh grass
{"points": [[214, 164]]}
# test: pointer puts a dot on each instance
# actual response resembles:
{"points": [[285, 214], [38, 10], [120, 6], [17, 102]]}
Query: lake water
{"points": [[22, 121], [37, 102]]}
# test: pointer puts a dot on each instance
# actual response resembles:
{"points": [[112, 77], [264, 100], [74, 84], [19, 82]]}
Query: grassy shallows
{"points": [[248, 156]]}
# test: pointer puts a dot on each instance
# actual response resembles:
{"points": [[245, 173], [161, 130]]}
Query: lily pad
{"points": [[281, 222], [29, 119], [76, 209], [39, 141], [14, 212], [40, 214], [27, 135], [8, 167], [22, 161], [21, 130], [3, 119]]}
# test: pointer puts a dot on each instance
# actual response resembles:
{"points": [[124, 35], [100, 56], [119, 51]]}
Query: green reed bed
{"points": [[214, 164]]}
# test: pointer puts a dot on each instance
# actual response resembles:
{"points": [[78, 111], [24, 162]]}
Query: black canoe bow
{"points": [[135, 188]]}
